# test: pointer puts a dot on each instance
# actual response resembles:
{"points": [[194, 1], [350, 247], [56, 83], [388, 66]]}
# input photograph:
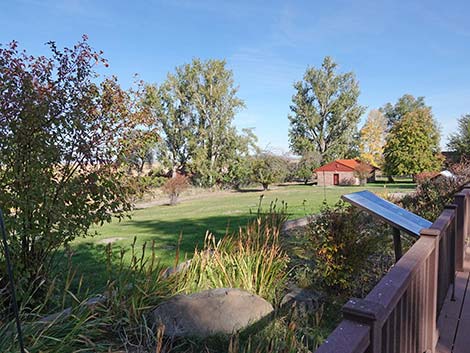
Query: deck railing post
{"points": [[369, 313], [466, 224], [432, 333], [462, 228], [466, 190], [453, 246]]}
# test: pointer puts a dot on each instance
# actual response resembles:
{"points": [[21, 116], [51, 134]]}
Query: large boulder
{"points": [[221, 310]]}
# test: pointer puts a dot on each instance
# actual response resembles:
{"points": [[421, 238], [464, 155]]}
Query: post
{"points": [[370, 313], [397, 244], [432, 334], [461, 202], [453, 245]]}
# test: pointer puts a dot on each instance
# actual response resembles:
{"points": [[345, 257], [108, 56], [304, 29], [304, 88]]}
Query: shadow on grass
{"points": [[250, 190], [90, 258], [189, 227], [396, 184]]}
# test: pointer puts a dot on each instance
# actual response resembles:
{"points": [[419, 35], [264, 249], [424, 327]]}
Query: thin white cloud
{"points": [[298, 26], [264, 68]]}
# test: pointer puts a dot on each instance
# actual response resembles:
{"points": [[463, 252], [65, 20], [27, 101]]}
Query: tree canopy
{"points": [[405, 104], [412, 145], [372, 138], [325, 112], [268, 168], [195, 108], [460, 141], [62, 130]]}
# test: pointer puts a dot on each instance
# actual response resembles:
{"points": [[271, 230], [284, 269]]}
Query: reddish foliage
{"points": [[175, 186], [61, 133], [422, 177]]}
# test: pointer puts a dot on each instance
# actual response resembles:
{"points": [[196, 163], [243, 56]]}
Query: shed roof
{"points": [[341, 165]]}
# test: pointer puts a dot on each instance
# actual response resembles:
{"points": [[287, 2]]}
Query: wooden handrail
{"points": [[400, 312]]}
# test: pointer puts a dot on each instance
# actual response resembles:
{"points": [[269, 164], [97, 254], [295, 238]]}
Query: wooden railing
{"points": [[400, 313]]}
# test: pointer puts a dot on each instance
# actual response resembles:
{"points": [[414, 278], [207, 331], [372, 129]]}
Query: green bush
{"points": [[341, 239]]}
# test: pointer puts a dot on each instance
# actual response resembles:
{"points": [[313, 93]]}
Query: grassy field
{"points": [[214, 212]]}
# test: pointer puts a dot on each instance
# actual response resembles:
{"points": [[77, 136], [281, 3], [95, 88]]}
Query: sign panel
{"points": [[390, 213]]}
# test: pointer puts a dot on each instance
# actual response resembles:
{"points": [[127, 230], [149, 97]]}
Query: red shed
{"points": [[343, 172]]}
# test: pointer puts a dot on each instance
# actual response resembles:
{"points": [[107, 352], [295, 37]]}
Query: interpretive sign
{"points": [[399, 218]]}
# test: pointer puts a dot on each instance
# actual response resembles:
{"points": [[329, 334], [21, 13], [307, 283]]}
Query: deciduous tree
{"points": [[61, 134], [460, 141], [412, 145], [325, 112], [268, 168], [405, 104], [372, 138], [195, 108], [309, 161]]}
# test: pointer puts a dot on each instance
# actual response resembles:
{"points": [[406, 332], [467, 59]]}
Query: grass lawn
{"points": [[214, 212]]}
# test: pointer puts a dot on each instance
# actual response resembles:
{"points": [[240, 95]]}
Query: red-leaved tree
{"points": [[62, 134]]}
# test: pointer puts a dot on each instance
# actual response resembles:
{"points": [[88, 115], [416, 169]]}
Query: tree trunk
{"points": [[390, 179], [265, 186], [173, 199]]}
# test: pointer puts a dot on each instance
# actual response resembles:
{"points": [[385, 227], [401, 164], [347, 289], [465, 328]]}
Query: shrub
{"points": [[175, 186], [432, 195], [342, 239], [62, 133]]}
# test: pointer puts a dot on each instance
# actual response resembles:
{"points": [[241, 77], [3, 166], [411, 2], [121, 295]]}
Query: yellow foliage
{"points": [[372, 138]]}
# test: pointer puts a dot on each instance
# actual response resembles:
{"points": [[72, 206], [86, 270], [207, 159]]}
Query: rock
{"points": [[91, 303], [295, 223], [303, 304], [171, 270], [221, 310]]}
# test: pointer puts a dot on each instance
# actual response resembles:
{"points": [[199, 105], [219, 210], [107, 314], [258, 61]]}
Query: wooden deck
{"points": [[454, 320]]}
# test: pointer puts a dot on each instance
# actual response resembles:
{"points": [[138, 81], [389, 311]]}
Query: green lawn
{"points": [[192, 218]]}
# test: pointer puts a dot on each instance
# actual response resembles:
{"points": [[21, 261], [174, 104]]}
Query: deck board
{"points": [[454, 320], [462, 341]]}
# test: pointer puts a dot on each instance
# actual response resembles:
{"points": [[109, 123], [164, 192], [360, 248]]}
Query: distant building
{"points": [[343, 172]]}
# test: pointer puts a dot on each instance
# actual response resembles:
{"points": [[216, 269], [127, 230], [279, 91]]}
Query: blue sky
{"points": [[393, 47]]}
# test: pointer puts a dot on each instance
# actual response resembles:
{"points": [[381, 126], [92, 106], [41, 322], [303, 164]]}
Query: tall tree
{"points": [[372, 138], [405, 104], [195, 108], [412, 145], [215, 104], [325, 112], [460, 141], [170, 105], [237, 169]]}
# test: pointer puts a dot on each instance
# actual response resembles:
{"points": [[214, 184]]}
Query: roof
{"points": [[342, 165], [445, 174]]}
